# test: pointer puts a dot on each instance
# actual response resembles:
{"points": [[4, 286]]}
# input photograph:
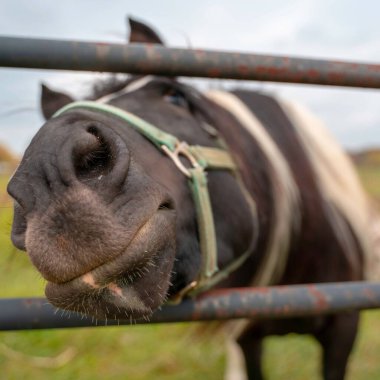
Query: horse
{"points": [[153, 192]]}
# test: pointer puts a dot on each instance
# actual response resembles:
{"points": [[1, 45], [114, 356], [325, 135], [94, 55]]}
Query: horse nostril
{"points": [[93, 153], [167, 204], [93, 130], [93, 156]]}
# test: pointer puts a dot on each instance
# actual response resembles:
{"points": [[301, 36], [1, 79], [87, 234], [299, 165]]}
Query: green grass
{"points": [[155, 351], [370, 176], [152, 352]]}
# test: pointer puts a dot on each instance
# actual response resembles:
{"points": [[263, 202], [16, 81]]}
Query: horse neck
{"points": [[268, 179]]}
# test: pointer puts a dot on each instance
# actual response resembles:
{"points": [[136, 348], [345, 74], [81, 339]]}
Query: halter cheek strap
{"points": [[200, 160]]}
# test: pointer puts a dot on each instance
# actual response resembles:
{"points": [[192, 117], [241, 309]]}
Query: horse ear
{"points": [[52, 101], [142, 33]]}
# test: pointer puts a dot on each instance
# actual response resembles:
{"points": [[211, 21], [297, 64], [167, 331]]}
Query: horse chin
{"points": [[109, 292]]}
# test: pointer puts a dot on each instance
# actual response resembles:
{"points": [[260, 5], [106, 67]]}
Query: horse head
{"points": [[106, 217]]}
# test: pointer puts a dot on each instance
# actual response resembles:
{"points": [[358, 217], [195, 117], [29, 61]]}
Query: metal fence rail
{"points": [[257, 303], [159, 60]]}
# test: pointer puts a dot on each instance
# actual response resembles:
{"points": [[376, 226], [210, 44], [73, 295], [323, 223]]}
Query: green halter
{"points": [[200, 159]]}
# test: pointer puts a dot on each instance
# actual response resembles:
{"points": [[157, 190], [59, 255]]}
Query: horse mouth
{"points": [[129, 286]]}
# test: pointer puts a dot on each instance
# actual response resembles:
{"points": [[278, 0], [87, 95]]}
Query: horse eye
{"points": [[176, 97]]}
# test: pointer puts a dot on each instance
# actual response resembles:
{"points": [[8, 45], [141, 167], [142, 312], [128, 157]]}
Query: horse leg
{"points": [[235, 369], [337, 339], [252, 347]]}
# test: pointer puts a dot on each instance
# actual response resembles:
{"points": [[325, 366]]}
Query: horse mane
{"points": [[108, 85], [338, 181]]}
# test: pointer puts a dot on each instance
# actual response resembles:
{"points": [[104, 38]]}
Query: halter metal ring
{"points": [[182, 148]]}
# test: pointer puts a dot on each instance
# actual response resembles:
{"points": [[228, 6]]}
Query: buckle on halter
{"points": [[182, 149]]}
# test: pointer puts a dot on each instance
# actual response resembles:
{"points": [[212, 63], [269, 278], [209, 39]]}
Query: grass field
{"points": [[156, 351]]}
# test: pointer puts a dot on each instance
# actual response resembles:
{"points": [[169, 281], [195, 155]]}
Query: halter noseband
{"points": [[200, 159]]}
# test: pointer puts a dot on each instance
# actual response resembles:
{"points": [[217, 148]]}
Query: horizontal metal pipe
{"points": [[159, 60], [256, 303]]}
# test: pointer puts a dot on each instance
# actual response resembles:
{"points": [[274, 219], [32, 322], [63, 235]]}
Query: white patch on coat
{"points": [[373, 265], [134, 86], [235, 369]]}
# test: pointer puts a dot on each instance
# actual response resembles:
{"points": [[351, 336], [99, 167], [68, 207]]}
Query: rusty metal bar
{"points": [[256, 303], [159, 60]]}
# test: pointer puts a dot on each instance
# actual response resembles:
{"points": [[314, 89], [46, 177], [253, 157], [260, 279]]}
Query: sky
{"points": [[331, 29]]}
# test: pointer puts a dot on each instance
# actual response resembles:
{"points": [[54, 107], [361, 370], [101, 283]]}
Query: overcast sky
{"points": [[337, 29]]}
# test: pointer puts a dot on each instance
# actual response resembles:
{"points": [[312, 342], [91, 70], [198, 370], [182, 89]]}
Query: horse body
{"points": [[120, 219], [322, 244]]}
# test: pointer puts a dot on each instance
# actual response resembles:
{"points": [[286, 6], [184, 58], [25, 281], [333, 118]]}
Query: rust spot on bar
{"points": [[28, 302], [199, 54], [337, 77], [150, 51], [102, 51], [319, 298], [313, 74], [369, 294], [214, 72], [243, 69]]}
